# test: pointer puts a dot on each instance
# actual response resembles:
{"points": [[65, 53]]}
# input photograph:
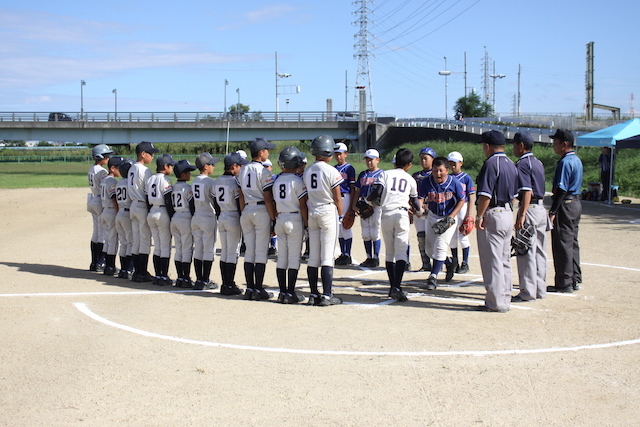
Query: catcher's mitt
{"points": [[521, 241], [467, 225], [365, 210], [443, 224], [348, 219]]}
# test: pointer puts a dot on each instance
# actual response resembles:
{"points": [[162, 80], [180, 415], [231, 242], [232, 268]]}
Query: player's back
{"points": [[226, 189], [181, 195], [254, 179], [157, 186], [288, 188], [203, 194], [122, 194], [138, 176], [95, 176], [399, 186], [320, 180]]}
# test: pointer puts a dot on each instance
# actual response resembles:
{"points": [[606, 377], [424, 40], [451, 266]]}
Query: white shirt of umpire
{"points": [[159, 222], [181, 195], [398, 187], [203, 223], [254, 180], [288, 189], [227, 191]]}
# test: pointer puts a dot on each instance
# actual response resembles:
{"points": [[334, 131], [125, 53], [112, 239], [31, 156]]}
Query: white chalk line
{"points": [[82, 307]]}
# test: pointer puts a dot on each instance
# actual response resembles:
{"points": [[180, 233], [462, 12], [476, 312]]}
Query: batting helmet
{"points": [[323, 146], [100, 151], [430, 151], [125, 166], [290, 157]]}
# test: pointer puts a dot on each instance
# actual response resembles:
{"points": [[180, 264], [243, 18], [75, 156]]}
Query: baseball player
{"points": [[273, 241], [159, 189], [204, 222], [370, 226], [427, 154], [532, 266], [97, 172], [138, 176], [184, 208], [258, 213], [443, 195], [347, 189], [123, 220], [325, 206], [290, 196], [468, 187], [497, 187], [393, 191], [227, 192], [109, 212]]}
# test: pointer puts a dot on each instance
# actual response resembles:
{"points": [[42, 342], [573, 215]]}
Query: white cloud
{"points": [[267, 13]]}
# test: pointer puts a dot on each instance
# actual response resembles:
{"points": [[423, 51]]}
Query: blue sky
{"points": [[175, 56]]}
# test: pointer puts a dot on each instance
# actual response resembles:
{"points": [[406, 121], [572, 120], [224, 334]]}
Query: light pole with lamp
{"points": [[224, 111], [115, 93], [82, 83], [446, 84], [279, 76]]}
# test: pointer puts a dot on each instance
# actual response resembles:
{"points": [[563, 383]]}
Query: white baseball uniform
{"points": [[254, 180], [123, 218], [227, 192], [288, 189], [108, 216], [158, 218], [181, 195], [320, 180], [203, 223], [94, 204], [398, 188], [138, 176]]}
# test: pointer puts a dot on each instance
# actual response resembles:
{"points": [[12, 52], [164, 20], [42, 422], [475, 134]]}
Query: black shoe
{"points": [[262, 294], [249, 293], [314, 299], [205, 286], [426, 266], [576, 286], [281, 296], [366, 262], [464, 268], [124, 274], [398, 295], [407, 267], [451, 268], [431, 284], [166, 281], [490, 310], [343, 260], [93, 267], [554, 289], [326, 301], [178, 282], [518, 298], [230, 290], [110, 271], [143, 277], [272, 252], [375, 262]]}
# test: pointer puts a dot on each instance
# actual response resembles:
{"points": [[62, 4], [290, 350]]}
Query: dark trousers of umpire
{"points": [[564, 244]]}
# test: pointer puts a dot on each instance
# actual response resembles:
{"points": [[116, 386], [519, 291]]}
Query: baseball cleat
{"points": [[398, 294], [230, 290], [490, 310], [464, 268], [326, 300], [262, 294], [431, 284], [451, 268], [248, 294], [314, 299], [566, 290]]}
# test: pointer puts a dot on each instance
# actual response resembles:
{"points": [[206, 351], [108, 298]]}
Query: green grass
{"points": [[74, 174]]}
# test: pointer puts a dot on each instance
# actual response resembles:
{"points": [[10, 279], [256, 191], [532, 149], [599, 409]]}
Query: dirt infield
{"points": [[79, 348]]}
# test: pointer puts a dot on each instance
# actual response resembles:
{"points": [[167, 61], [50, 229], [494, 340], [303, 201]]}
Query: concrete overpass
{"points": [[131, 128]]}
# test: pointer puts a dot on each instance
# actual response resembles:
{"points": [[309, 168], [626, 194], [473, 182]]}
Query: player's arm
{"points": [[304, 210], [525, 201], [470, 204], [337, 198], [241, 202], [483, 205], [268, 201], [354, 199], [168, 203]]}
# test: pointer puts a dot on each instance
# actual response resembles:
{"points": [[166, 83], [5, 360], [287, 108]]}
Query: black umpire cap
{"points": [[564, 135], [493, 137]]}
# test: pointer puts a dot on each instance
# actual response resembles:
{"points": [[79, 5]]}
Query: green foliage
{"points": [[472, 106]]}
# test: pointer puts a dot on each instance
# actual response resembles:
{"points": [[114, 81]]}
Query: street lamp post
{"points": [[115, 93], [279, 76], [446, 76], [82, 83], [495, 76], [224, 112]]}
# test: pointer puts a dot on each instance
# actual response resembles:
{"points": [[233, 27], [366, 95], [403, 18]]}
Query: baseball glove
{"points": [[365, 210], [467, 225], [521, 241], [348, 219], [443, 224]]}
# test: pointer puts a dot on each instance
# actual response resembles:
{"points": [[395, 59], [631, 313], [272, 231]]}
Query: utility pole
{"points": [[495, 76], [518, 105], [486, 89], [589, 83]]}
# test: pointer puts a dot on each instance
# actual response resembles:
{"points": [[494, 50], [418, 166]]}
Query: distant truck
{"points": [[60, 117]]}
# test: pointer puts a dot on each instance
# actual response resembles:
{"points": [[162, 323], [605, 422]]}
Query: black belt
{"points": [[295, 212], [501, 205], [570, 196], [125, 209], [536, 199]]}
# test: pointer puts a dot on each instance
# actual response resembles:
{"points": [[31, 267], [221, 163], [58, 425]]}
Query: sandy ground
{"points": [[79, 348]]}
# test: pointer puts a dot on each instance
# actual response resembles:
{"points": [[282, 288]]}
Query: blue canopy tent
{"points": [[622, 135]]}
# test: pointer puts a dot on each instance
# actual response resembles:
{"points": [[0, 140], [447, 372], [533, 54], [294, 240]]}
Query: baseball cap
{"points": [[267, 163], [523, 137], [455, 156], [205, 159], [430, 151], [235, 158], [183, 166], [260, 144], [493, 137], [242, 153], [115, 161], [164, 159], [340, 148], [371, 153], [563, 135], [146, 147]]}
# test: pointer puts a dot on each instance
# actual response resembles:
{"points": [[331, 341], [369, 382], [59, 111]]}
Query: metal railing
{"points": [[267, 116]]}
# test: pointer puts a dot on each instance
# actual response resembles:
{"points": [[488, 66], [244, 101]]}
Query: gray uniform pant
{"points": [[123, 226], [395, 233], [323, 235], [140, 228], [203, 229], [564, 243], [182, 237], [94, 206], [256, 228], [160, 226], [494, 246], [289, 228], [230, 236], [532, 266], [108, 223]]}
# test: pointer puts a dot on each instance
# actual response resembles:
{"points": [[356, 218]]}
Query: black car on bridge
{"points": [[60, 117]]}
